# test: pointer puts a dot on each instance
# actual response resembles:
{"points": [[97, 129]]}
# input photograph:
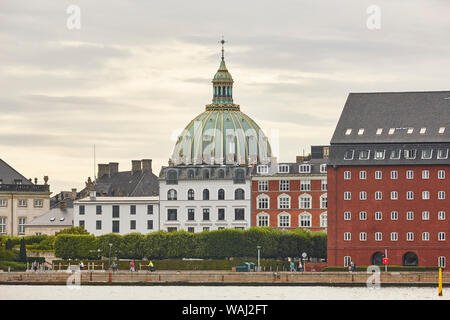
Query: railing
{"points": [[25, 187]]}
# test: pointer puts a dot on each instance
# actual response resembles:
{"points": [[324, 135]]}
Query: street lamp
{"points": [[259, 251], [304, 255], [110, 246]]}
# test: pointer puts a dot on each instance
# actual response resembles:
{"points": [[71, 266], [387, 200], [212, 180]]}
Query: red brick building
{"points": [[388, 184], [292, 195]]}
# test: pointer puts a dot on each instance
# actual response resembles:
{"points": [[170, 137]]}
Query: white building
{"points": [[122, 215], [205, 198]]}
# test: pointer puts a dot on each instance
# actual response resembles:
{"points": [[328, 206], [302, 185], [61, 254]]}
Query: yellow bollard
{"points": [[440, 282]]}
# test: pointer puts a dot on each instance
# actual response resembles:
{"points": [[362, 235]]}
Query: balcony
{"points": [[24, 188]]}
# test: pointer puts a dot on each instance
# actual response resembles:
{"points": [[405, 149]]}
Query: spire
{"points": [[222, 42]]}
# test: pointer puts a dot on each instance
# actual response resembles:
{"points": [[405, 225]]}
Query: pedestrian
{"points": [[292, 266], [81, 265], [151, 267], [34, 265], [132, 267], [350, 266], [300, 267], [354, 266]]}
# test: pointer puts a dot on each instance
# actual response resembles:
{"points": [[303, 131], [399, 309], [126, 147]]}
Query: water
{"points": [[85, 292]]}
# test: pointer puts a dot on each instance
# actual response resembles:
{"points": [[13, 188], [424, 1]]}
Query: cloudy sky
{"points": [[138, 71]]}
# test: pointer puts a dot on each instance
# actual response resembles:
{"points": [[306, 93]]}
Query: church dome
{"points": [[222, 134]]}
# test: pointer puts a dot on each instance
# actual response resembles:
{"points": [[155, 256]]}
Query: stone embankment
{"points": [[221, 278]]}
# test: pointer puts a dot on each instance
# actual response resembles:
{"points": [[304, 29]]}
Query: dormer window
{"points": [[361, 132], [283, 168], [423, 130], [391, 131], [441, 130], [364, 155], [323, 168], [379, 131], [410, 130], [395, 154], [379, 154], [442, 154], [348, 132], [262, 169], [427, 153], [348, 155], [410, 153], [304, 168]]}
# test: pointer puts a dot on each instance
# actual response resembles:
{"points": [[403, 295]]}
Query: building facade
{"points": [[292, 195], [20, 200], [121, 215], [388, 181]]}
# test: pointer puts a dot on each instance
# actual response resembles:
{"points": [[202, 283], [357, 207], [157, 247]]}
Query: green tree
{"points": [[23, 251], [72, 230]]}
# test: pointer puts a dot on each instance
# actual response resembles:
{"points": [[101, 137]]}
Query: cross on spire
{"points": [[222, 42]]}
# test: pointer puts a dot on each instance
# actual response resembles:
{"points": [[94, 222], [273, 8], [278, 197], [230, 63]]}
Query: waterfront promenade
{"points": [[221, 278]]}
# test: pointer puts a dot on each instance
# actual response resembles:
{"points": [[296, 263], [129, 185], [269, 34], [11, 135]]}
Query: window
{"points": [[262, 169], [283, 168], [3, 203], [441, 262], [364, 155], [191, 214], [379, 131], [347, 236], [379, 154], [133, 209], [441, 130], [425, 195], [323, 220], [347, 175], [81, 223], [22, 222], [394, 236], [116, 211], [191, 194], [423, 130], [239, 194], [441, 195], [347, 215], [362, 175], [409, 195], [363, 215], [205, 194], [410, 236], [378, 175], [391, 131], [149, 224], [305, 220], [409, 215], [378, 195], [221, 174], [348, 132], [305, 201], [409, 174], [394, 174], [172, 214], [441, 215], [410, 153], [23, 203], [221, 214], [132, 224], [190, 174], [205, 214], [378, 215], [284, 220], [150, 209], [323, 201], [239, 214], [172, 177], [425, 174], [347, 261], [394, 215], [395, 154], [361, 132], [324, 185], [191, 229], [378, 236], [442, 154], [305, 185], [263, 202], [263, 185], [221, 194], [347, 195], [116, 226], [172, 194], [98, 210], [441, 236], [171, 229], [38, 203], [98, 225], [362, 236], [425, 236], [239, 176], [362, 195], [348, 155], [394, 195], [284, 185], [205, 174], [425, 215], [305, 168], [206, 228], [263, 220], [410, 130], [427, 153], [441, 174], [323, 168], [81, 210], [284, 202], [2, 225]]}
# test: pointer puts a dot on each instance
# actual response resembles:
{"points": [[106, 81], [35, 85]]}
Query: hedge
{"points": [[389, 268], [218, 244]]}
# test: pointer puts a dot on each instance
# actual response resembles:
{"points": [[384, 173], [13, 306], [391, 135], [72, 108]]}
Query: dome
{"points": [[222, 134]]}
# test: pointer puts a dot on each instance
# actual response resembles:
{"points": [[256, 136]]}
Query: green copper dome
{"points": [[222, 134]]}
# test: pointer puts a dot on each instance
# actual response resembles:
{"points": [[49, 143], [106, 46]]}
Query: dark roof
{"points": [[8, 174], [197, 172], [141, 183], [399, 110]]}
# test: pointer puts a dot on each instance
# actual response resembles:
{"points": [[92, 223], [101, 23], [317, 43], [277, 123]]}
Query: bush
{"points": [[71, 246], [389, 268], [73, 230], [8, 255], [14, 266]]}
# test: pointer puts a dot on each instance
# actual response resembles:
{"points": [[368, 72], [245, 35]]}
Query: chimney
{"points": [[103, 169], [74, 194], [113, 168], [135, 166], [147, 165]]}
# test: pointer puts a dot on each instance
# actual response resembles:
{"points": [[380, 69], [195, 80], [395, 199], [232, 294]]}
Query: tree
{"points": [[9, 245], [73, 230], [23, 251]]}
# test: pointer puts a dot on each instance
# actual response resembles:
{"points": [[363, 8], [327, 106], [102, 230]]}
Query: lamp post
{"points": [[110, 246], [259, 251]]}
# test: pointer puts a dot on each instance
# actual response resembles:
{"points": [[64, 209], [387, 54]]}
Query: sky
{"points": [[135, 73]]}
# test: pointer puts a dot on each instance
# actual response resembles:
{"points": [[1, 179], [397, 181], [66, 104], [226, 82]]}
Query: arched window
{"points": [[323, 201], [284, 220], [304, 220], [305, 201], [262, 201], [284, 201], [262, 219], [239, 176], [239, 194], [221, 194], [172, 177], [205, 194], [205, 174], [323, 220], [190, 174], [221, 174], [377, 258], [190, 194], [172, 194], [410, 259]]}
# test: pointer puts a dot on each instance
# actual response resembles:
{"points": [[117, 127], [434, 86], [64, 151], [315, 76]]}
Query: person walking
{"points": [[151, 267], [132, 267]]}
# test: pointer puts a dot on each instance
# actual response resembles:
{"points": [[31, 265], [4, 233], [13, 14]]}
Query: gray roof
{"points": [[141, 183], [294, 168], [53, 218], [204, 172], [8, 174], [399, 110]]}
